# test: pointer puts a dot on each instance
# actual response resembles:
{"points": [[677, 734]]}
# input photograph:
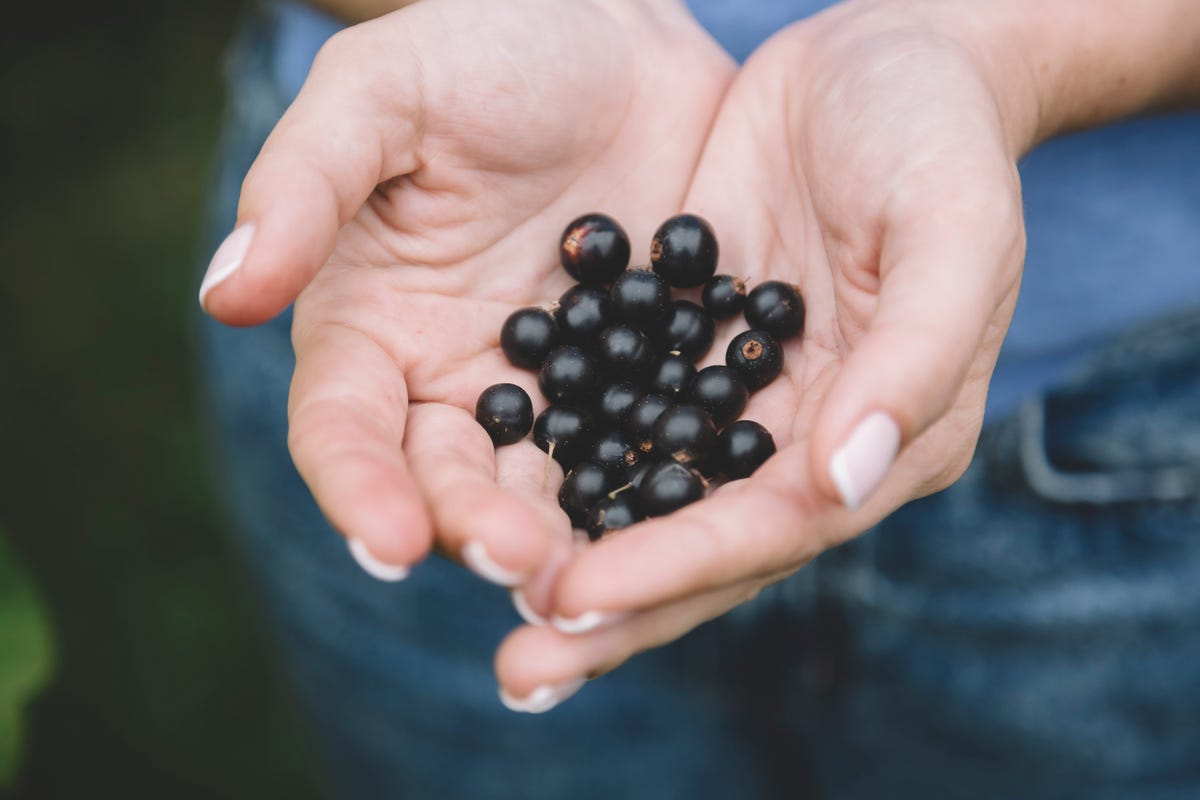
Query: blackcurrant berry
{"points": [[777, 308], [684, 251], [688, 329], [721, 392], [637, 475], [624, 352], [724, 296], [582, 312], [640, 425], [757, 357], [685, 433], [640, 297], [582, 488], [594, 249], [616, 401], [568, 375], [742, 448], [528, 335], [567, 430], [613, 513], [505, 412], [669, 486], [614, 452], [672, 375]]}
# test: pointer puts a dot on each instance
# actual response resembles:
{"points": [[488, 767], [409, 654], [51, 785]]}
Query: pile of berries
{"points": [[639, 430]]}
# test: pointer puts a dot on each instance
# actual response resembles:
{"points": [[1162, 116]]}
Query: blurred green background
{"points": [[162, 682]]}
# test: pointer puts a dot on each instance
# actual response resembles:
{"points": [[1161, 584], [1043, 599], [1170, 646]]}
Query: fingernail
{"points": [[390, 573], [227, 259], [587, 621], [860, 465], [527, 613], [541, 699], [477, 558]]}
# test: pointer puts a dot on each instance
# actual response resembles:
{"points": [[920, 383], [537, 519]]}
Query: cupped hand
{"points": [[867, 156], [413, 197]]}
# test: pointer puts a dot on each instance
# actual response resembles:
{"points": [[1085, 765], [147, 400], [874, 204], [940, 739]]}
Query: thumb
{"points": [[948, 283], [354, 125]]}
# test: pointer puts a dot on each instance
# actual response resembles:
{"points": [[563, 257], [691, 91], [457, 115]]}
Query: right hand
{"points": [[413, 197]]}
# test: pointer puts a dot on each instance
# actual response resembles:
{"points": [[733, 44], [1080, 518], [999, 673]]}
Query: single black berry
{"points": [[505, 412], [594, 249], [669, 486], [613, 513], [684, 251], [742, 448], [777, 308], [528, 335], [721, 392], [687, 328], [671, 375], [640, 425], [568, 375], [637, 475], [685, 433], [616, 401], [582, 312], [614, 452], [640, 297], [757, 357], [564, 432], [724, 296], [582, 488], [624, 352]]}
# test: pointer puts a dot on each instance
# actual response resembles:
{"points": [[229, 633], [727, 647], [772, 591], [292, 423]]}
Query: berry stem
{"points": [[613, 494]]}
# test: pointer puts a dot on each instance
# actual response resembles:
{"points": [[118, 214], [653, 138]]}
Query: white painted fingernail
{"points": [[587, 621], [527, 613], [541, 699], [390, 573], [477, 558], [227, 259], [859, 466]]}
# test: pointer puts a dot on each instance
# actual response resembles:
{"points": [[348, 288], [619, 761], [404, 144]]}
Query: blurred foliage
{"points": [[165, 686]]}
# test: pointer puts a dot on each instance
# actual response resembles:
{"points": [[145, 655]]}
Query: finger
{"points": [[336, 143], [537, 668], [949, 271], [346, 418], [489, 506]]}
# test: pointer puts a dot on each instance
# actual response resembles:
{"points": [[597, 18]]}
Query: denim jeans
{"points": [[1032, 632]]}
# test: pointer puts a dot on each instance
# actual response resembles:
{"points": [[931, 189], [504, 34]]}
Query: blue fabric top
{"points": [[1113, 214]]}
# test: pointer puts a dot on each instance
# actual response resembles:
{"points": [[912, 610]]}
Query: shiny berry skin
{"points": [[669, 486], [724, 296], [568, 375], [640, 297], [640, 425], [582, 488], [685, 433], [614, 513], [505, 412], [624, 352], [721, 392], [757, 357], [637, 475], [742, 448], [684, 251], [569, 430], [528, 336], [616, 401], [671, 375], [614, 452], [687, 328], [582, 312], [594, 249], [777, 308]]}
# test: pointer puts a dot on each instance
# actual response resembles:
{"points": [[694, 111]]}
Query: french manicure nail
{"points": [[587, 621], [227, 259], [541, 699], [859, 466], [477, 558], [526, 612], [389, 573]]}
